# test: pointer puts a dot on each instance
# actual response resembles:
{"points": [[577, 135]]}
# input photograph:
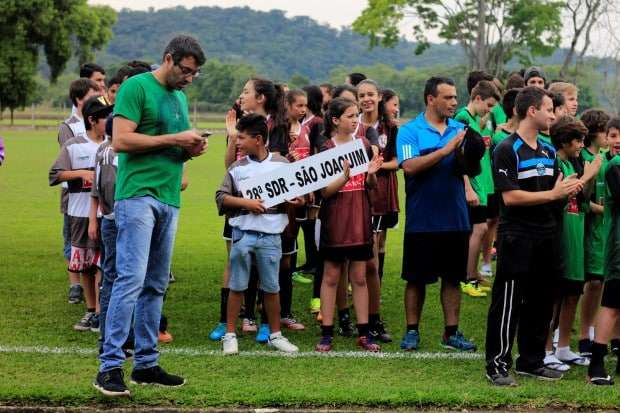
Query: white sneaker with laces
{"points": [[486, 270], [552, 362], [565, 355], [279, 342], [229, 344]]}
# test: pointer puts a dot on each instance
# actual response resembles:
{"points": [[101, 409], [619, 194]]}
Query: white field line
{"points": [[203, 352]]}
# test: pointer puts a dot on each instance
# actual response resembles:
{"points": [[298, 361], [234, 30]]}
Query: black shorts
{"points": [[594, 277], [611, 294], [341, 254], [227, 233], [289, 244], [493, 206], [570, 288], [477, 214], [536, 259], [383, 222], [430, 255]]}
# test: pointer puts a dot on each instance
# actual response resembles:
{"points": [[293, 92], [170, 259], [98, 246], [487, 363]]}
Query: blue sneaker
{"points": [[458, 342], [263, 334], [410, 341], [218, 332]]}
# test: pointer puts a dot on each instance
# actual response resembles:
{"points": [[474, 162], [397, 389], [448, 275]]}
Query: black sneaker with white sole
{"points": [[86, 323], [76, 294], [542, 373], [501, 379], [111, 383], [379, 333], [156, 375]]}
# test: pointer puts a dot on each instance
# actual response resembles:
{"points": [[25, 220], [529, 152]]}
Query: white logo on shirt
{"points": [[545, 153], [504, 171]]}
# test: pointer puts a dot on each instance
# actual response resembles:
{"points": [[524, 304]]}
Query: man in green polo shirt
{"points": [[153, 139]]}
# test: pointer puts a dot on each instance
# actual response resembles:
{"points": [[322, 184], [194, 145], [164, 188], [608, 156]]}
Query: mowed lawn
{"points": [[34, 315]]}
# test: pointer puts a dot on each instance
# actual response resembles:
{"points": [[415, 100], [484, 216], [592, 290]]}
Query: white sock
{"points": [[591, 333], [275, 335], [230, 335]]}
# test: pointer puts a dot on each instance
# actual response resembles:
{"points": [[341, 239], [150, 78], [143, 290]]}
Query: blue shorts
{"points": [[266, 249]]}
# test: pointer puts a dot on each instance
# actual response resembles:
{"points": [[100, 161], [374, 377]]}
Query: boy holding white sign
{"points": [[256, 231]]}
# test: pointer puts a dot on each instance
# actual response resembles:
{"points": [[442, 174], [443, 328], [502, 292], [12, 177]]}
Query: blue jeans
{"points": [[146, 230], [267, 248]]}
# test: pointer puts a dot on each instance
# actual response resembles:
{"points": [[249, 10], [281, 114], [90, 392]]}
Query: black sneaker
{"points": [[85, 322], [542, 373], [156, 375], [76, 294], [502, 378], [111, 383], [346, 328], [585, 347], [378, 333], [94, 323]]}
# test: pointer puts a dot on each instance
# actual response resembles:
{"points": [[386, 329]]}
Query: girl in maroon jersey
{"points": [[346, 232]]}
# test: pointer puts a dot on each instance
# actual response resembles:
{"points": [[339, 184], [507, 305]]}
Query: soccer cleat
{"points": [[366, 343], [157, 376], [472, 290], [291, 324], [110, 383], [298, 277], [324, 345], [282, 344], [263, 334], [165, 337], [502, 379], [411, 340], [85, 322], [248, 326], [458, 342], [379, 333], [76, 294], [346, 328], [315, 305], [229, 344], [542, 373], [218, 332]]}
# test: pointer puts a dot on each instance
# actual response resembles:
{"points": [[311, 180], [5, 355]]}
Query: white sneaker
{"points": [[565, 355], [552, 362], [486, 270], [229, 344], [279, 342]]}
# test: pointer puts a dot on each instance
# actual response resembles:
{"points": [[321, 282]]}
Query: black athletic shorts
{"points": [[430, 255], [383, 222], [570, 288], [342, 254], [594, 277], [227, 233], [611, 294], [493, 206], [477, 214]]}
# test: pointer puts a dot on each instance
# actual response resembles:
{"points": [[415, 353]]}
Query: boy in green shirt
{"points": [[567, 135], [596, 122], [483, 97], [609, 313]]}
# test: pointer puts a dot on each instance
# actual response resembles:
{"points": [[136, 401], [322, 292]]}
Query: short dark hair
{"points": [[558, 100], [87, 70], [356, 77], [183, 46], [508, 102], [432, 84], [114, 80], [596, 121], [315, 99], [474, 77], [515, 81], [485, 89], [253, 124], [565, 130], [327, 86], [528, 97], [342, 88], [613, 123], [79, 88]]}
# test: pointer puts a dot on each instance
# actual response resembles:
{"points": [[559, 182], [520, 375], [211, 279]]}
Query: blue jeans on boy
{"points": [[146, 230], [266, 248]]}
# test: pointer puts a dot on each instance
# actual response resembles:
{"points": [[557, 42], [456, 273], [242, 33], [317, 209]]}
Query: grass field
{"points": [[34, 315]]}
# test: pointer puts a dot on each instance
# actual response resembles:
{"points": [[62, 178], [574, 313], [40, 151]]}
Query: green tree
{"points": [[491, 32], [58, 29]]}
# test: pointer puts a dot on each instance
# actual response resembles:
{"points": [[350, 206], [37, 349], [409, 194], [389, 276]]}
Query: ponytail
{"points": [[274, 99]]}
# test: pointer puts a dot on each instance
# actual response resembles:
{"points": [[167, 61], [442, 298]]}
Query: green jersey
{"points": [[482, 183], [545, 137], [499, 136], [155, 110], [573, 224], [611, 220], [497, 116], [594, 230]]}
